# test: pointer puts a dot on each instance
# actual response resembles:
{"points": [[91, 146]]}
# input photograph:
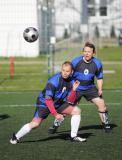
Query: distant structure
{"points": [[15, 16], [55, 20], [101, 14]]}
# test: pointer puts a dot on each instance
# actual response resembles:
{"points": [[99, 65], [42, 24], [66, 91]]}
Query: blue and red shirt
{"points": [[57, 89]]}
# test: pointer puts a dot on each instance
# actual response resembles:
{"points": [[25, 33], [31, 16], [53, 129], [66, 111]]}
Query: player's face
{"points": [[66, 70], [88, 53]]}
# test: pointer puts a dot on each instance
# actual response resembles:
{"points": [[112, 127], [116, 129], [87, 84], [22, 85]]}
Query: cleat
{"points": [[107, 128], [14, 139], [78, 139], [52, 129]]}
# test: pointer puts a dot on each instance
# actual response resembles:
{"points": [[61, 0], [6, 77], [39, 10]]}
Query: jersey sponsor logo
{"points": [[86, 71], [64, 88]]}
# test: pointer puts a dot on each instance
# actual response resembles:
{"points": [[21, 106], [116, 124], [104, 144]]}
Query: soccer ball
{"points": [[30, 34]]}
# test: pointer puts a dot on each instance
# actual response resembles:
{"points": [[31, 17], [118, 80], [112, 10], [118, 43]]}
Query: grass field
{"points": [[16, 109], [31, 73], [18, 96]]}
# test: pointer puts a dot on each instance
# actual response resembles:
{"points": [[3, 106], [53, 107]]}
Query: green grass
{"points": [[22, 91], [40, 145], [31, 73], [110, 54]]}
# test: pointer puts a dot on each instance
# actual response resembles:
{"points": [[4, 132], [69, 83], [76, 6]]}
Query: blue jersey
{"points": [[56, 88], [86, 72]]}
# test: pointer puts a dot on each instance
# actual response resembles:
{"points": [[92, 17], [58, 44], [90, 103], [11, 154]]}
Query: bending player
{"points": [[57, 98]]}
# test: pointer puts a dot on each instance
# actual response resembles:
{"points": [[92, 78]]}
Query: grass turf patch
{"points": [[40, 145]]}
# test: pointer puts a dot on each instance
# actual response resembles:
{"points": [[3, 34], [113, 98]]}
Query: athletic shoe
{"points": [[52, 129], [78, 139], [14, 139], [107, 128]]}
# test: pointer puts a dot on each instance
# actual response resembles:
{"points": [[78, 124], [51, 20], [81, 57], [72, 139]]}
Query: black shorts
{"points": [[88, 94], [43, 112]]}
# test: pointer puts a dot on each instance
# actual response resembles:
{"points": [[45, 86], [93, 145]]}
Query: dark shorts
{"points": [[43, 112], [87, 94]]}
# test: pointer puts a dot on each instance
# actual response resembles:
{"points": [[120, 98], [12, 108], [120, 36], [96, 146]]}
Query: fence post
{"points": [[11, 66]]}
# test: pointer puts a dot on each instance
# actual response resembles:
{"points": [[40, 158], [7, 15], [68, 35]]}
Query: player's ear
{"points": [[72, 72], [94, 54]]}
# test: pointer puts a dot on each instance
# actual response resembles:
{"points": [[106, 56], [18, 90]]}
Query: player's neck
{"points": [[86, 60]]}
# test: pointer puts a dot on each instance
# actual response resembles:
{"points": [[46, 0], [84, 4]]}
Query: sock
{"points": [[75, 122], [23, 131], [104, 116], [57, 122]]}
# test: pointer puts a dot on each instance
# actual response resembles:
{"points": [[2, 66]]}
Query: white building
{"points": [[104, 14], [15, 16]]}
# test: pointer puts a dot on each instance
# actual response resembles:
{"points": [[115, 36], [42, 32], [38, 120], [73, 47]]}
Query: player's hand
{"points": [[59, 117], [75, 85], [100, 92]]}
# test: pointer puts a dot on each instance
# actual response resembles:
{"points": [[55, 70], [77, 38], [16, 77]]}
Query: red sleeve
{"points": [[50, 105], [72, 97]]}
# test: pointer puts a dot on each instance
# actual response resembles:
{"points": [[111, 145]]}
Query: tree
{"points": [[112, 33], [97, 34]]}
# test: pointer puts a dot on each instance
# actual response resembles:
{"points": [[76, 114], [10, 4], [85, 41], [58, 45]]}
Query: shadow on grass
{"points": [[4, 116], [62, 136], [96, 127], [65, 135]]}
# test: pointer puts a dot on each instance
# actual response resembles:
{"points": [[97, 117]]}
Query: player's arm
{"points": [[50, 104], [100, 86], [72, 96], [50, 91], [99, 76]]}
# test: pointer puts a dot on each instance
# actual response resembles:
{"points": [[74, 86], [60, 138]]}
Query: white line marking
{"points": [[17, 105], [33, 105], [21, 92], [108, 71]]}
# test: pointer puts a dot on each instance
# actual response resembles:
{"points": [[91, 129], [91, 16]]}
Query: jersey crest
{"points": [[86, 71]]}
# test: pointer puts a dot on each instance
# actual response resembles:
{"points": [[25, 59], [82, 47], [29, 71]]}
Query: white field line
{"points": [[30, 105], [21, 92], [57, 69], [18, 92], [23, 74], [109, 71], [57, 62]]}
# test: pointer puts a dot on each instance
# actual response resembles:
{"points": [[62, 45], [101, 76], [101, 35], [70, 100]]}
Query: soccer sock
{"points": [[23, 131], [104, 116], [75, 122]]}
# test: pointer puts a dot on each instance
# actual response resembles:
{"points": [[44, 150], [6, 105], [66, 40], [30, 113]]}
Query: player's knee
{"points": [[101, 105], [76, 111], [34, 124], [102, 108]]}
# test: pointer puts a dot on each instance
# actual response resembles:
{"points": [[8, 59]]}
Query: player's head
{"points": [[88, 51], [66, 69]]}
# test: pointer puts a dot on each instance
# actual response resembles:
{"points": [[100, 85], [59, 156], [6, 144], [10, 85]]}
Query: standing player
{"points": [[56, 99], [86, 69]]}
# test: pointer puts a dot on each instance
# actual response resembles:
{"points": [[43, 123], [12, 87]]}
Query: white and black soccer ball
{"points": [[30, 34]]}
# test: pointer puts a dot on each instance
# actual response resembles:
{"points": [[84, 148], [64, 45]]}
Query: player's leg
{"points": [[92, 95], [25, 130], [75, 112], [103, 113], [38, 117], [57, 123]]}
